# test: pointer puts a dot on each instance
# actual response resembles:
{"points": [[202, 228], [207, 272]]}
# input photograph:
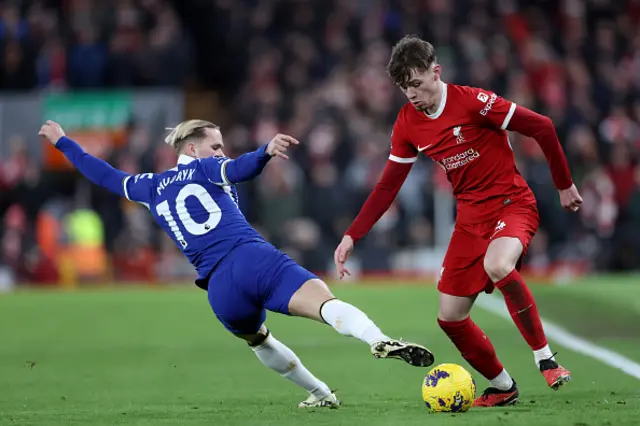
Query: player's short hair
{"points": [[410, 53], [188, 130]]}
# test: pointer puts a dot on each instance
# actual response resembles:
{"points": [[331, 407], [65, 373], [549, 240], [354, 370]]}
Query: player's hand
{"points": [[570, 199], [51, 131], [279, 145], [341, 255]]}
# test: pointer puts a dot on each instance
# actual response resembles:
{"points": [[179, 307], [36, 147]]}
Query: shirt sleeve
{"points": [[215, 169], [380, 199], [541, 128], [138, 188], [489, 108], [96, 170], [402, 151], [225, 171]]}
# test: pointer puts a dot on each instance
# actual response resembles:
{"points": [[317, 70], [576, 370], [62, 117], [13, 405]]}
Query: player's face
{"points": [[210, 146], [423, 88]]}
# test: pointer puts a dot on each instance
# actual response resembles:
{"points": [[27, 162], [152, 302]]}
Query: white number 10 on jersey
{"points": [[193, 227]]}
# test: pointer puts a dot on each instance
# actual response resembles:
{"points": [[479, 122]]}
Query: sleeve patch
{"points": [[484, 111]]}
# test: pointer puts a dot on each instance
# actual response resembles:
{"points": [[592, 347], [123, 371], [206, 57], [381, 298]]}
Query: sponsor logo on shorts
{"points": [[499, 227], [489, 104], [459, 160]]}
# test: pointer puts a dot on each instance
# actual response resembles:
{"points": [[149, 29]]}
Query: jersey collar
{"points": [[185, 159], [443, 101]]}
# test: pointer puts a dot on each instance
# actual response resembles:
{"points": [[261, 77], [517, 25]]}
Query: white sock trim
{"points": [[265, 342], [502, 381], [322, 309], [542, 354]]}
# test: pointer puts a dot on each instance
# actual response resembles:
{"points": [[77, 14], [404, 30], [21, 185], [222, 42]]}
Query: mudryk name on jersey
{"points": [[197, 207], [182, 175]]}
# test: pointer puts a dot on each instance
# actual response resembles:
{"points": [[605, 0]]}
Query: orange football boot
{"points": [[555, 374], [492, 397]]}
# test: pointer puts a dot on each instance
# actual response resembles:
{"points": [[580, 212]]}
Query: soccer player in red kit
{"points": [[464, 130]]}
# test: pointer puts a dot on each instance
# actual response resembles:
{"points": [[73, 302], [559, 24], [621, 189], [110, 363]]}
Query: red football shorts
{"points": [[463, 271]]}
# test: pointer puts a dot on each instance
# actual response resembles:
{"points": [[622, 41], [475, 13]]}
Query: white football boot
{"points": [[411, 353], [329, 401]]}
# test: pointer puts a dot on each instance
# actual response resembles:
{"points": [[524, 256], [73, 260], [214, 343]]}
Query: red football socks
{"points": [[523, 309], [474, 346]]}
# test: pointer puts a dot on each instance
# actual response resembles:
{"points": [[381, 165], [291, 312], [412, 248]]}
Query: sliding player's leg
{"points": [[462, 279], [501, 263], [239, 312], [314, 300], [278, 357], [288, 288]]}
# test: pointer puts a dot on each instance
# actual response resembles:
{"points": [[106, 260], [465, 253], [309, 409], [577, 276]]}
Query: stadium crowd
{"points": [[316, 70]]}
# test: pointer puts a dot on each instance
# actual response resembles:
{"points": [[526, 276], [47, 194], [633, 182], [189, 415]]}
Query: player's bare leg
{"points": [[500, 264], [275, 355], [477, 349], [314, 300]]}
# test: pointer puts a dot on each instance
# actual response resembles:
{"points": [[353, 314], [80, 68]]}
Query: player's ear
{"points": [[436, 72], [190, 149]]}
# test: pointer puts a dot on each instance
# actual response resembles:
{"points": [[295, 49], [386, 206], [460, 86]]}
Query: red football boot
{"points": [[555, 374], [492, 397]]}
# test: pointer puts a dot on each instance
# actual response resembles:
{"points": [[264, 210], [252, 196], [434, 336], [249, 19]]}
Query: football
{"points": [[448, 388]]}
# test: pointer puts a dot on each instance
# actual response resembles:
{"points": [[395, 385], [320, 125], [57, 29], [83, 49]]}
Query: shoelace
{"points": [[549, 363]]}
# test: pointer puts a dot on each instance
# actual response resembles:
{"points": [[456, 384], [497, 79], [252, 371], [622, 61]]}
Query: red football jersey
{"points": [[467, 137]]}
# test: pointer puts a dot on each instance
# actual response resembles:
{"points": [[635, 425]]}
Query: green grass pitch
{"points": [[159, 357]]}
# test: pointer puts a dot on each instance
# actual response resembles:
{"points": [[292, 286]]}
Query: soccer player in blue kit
{"points": [[196, 204]]}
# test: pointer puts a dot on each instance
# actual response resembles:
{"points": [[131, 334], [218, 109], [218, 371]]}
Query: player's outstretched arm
{"points": [[249, 165], [94, 169], [540, 127], [377, 203]]}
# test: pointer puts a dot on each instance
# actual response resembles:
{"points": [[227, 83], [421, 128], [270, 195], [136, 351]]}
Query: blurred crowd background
{"points": [[314, 69]]}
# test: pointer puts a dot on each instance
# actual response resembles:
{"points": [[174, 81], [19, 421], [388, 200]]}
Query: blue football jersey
{"points": [[197, 207]]}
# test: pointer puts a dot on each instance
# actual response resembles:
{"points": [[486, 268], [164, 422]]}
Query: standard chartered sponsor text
{"points": [[460, 159]]}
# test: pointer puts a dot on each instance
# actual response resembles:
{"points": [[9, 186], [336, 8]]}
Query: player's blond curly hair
{"points": [[187, 130]]}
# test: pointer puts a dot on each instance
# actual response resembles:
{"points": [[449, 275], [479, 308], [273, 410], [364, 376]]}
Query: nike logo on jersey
{"points": [[422, 148]]}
